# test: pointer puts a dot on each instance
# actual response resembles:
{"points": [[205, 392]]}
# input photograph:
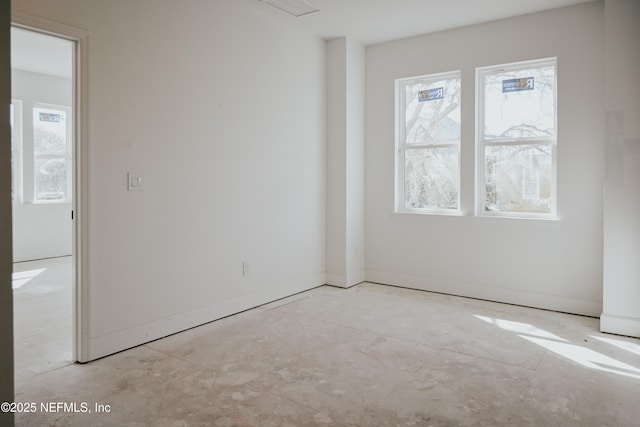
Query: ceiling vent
{"points": [[293, 7]]}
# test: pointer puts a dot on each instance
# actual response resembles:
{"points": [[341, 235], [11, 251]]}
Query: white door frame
{"points": [[80, 38]]}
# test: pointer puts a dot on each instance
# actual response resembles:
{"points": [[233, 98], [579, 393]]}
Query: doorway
{"points": [[45, 183]]}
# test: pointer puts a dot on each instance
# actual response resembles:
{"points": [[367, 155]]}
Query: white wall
{"points": [[345, 162], [39, 230], [550, 264], [336, 131], [621, 311], [355, 214], [221, 108]]}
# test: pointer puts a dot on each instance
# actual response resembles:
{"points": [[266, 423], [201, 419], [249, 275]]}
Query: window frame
{"points": [[401, 145], [482, 143], [17, 150]]}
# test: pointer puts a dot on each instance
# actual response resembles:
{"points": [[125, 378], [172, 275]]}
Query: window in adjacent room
{"points": [[517, 132], [428, 143], [15, 121], [51, 154]]}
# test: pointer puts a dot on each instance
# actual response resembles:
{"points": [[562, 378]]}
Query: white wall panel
{"points": [[221, 108], [550, 264]]}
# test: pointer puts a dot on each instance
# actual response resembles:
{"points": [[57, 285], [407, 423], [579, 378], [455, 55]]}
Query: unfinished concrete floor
{"points": [[367, 356], [43, 316]]}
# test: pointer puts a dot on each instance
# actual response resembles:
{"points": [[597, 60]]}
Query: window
{"points": [[517, 139], [51, 154], [428, 143], [15, 121]]}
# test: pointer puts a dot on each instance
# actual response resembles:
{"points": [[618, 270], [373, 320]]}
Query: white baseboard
{"points": [[112, 343], [620, 325], [490, 293], [345, 281], [42, 253]]}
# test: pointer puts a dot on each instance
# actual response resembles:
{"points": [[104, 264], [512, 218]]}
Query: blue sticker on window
{"points": [[48, 117], [517, 85], [431, 94]]}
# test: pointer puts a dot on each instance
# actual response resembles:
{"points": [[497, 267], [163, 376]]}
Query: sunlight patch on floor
{"points": [[633, 348], [520, 328], [576, 353], [21, 278]]}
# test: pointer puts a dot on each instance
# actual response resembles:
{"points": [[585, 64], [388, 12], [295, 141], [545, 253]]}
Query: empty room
{"points": [[326, 212]]}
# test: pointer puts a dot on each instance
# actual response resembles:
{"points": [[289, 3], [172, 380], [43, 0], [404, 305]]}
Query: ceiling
{"points": [[368, 21], [376, 21]]}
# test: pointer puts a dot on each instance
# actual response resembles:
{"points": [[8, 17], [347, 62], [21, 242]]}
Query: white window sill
{"points": [[431, 214]]}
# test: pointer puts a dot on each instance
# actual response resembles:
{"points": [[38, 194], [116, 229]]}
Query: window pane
{"points": [[518, 178], [520, 104], [431, 178], [50, 153], [432, 112], [51, 177], [49, 131]]}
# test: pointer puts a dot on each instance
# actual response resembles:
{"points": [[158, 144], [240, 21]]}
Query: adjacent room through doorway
{"points": [[42, 191]]}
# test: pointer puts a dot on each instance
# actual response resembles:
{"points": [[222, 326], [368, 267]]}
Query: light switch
{"points": [[135, 182]]}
